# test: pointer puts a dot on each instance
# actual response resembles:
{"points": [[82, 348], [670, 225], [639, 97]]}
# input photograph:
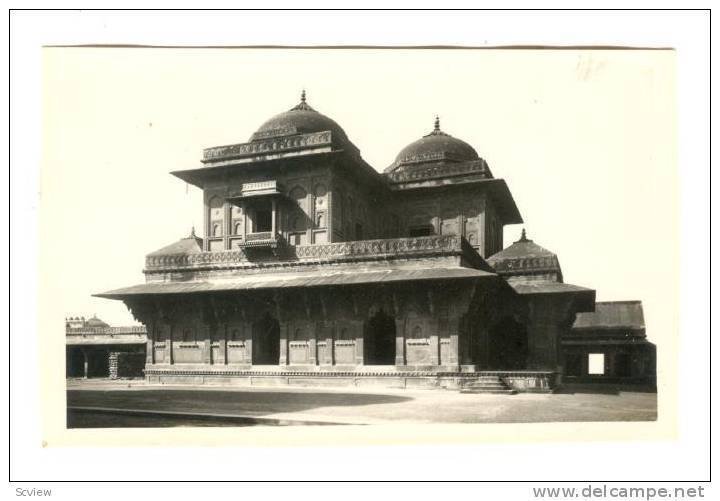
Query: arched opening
{"points": [[98, 363], [266, 341], [507, 345], [379, 340], [74, 361]]}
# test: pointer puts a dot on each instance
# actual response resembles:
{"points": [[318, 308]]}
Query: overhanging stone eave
{"points": [[312, 280], [506, 203], [585, 298], [197, 176]]}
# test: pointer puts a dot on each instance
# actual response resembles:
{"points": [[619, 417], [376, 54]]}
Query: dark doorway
{"points": [[74, 362], [623, 365], [574, 364], [379, 340], [266, 341], [98, 363], [508, 345]]}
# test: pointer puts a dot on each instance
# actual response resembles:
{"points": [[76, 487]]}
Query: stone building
{"points": [[93, 349], [609, 346], [315, 268]]}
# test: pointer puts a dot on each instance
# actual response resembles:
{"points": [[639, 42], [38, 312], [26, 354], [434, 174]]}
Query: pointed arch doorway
{"points": [[379, 340], [266, 341]]}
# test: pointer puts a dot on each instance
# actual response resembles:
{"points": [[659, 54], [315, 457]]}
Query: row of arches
{"points": [[506, 345]]}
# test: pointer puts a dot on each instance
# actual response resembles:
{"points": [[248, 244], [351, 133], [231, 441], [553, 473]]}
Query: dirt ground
{"points": [[95, 403]]}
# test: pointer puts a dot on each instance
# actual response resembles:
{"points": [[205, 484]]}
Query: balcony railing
{"points": [[341, 251], [136, 330], [260, 239], [440, 171], [267, 146]]}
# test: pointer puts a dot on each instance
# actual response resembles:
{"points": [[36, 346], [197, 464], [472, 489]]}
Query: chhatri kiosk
{"points": [[315, 268]]}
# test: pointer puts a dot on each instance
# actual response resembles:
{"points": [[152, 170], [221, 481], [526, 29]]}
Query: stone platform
{"points": [[378, 376]]}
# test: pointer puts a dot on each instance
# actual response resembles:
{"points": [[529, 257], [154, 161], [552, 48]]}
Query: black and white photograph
{"points": [[308, 285], [358, 244]]}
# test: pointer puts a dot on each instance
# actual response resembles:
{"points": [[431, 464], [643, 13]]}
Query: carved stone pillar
{"points": [[359, 332], [274, 215], [312, 342], [151, 329], [164, 327], [244, 218], [453, 334], [207, 323], [206, 224], [331, 335], [169, 345], [284, 339], [400, 358], [434, 339], [330, 223], [223, 343], [206, 331], [145, 311], [247, 332], [227, 220]]}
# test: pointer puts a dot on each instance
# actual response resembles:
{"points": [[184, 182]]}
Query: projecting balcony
{"points": [[261, 239]]}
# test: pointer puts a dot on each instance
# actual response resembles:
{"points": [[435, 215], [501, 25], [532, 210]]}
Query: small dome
{"points": [[95, 322], [527, 258], [436, 147], [302, 119]]}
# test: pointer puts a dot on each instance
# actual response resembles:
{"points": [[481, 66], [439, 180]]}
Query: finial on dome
{"points": [[192, 233], [523, 236], [302, 105], [436, 130]]}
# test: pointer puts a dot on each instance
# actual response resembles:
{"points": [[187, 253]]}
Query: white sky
{"points": [[584, 139]]}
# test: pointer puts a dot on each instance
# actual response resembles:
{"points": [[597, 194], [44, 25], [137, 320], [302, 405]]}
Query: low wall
{"points": [[521, 381]]}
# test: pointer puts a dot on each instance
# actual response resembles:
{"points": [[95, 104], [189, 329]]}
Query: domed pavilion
{"points": [[313, 267]]}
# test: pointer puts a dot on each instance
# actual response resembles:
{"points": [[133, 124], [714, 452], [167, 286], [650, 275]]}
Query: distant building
{"points": [[609, 345], [94, 349], [316, 268]]}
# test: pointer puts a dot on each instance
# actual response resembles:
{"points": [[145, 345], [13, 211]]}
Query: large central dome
{"points": [[435, 147], [301, 119]]}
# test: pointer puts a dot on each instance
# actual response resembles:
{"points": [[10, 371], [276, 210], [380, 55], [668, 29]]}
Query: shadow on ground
{"points": [[249, 406]]}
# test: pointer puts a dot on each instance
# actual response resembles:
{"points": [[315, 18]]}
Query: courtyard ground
{"points": [[103, 403]]}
